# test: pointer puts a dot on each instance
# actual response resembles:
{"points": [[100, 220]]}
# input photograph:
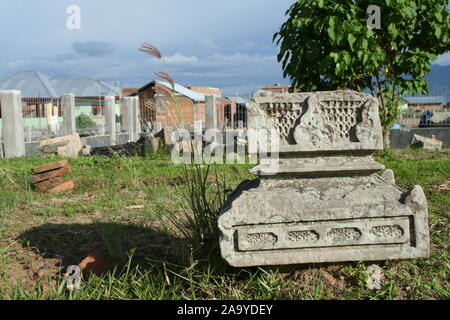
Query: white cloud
{"points": [[178, 58], [443, 59], [231, 72], [203, 42]]}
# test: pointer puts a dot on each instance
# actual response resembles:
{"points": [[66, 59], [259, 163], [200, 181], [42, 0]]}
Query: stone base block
{"points": [[277, 221]]}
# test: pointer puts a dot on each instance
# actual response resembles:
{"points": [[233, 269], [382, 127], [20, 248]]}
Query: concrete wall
{"points": [[32, 148], [401, 138]]}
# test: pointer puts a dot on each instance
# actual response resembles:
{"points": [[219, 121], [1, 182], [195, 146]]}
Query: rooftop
{"points": [[194, 96], [34, 84], [425, 99]]}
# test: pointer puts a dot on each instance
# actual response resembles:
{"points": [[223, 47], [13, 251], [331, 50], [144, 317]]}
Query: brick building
{"points": [[437, 103], [276, 88], [188, 105]]}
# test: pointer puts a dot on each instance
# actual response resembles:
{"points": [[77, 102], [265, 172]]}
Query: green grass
{"points": [[116, 209]]}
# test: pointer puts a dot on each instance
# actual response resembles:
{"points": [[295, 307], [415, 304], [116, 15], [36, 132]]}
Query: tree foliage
{"points": [[85, 125], [327, 45]]}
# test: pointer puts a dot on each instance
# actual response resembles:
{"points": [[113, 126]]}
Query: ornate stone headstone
{"points": [[324, 203]]}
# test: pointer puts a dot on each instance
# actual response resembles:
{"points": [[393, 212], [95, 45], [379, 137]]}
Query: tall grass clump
{"points": [[204, 195], [204, 190]]}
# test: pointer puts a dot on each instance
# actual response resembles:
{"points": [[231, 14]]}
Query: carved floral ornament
{"points": [[320, 120]]}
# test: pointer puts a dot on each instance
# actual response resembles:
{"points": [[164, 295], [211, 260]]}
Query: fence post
{"points": [[210, 112], [136, 119], [110, 118], [128, 117], [13, 131], [68, 109]]}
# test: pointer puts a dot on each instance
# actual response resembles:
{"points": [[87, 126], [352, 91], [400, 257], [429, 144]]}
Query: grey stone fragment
{"points": [[86, 150], [65, 146], [388, 176], [324, 202], [419, 141]]}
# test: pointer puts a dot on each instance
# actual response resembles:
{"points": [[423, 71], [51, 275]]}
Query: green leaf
{"points": [[330, 29], [365, 58], [364, 43], [351, 40], [335, 56], [437, 32], [347, 58]]}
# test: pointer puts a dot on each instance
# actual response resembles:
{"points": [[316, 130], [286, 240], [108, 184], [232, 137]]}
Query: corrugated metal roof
{"points": [[84, 87], [425, 99], [195, 96], [32, 84]]}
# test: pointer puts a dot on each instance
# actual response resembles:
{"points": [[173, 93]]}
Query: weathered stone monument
{"points": [[325, 202]]}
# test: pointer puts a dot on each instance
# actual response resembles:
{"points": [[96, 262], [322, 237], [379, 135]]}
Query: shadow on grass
{"points": [[112, 242]]}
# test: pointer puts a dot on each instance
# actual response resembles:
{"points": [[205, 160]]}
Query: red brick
{"points": [[65, 186], [50, 183], [51, 166], [50, 174]]}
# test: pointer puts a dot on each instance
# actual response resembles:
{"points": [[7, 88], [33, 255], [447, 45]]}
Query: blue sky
{"points": [[225, 44]]}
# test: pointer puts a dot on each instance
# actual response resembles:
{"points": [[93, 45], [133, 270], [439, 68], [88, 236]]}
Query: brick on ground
{"points": [[65, 186], [50, 174], [51, 166], [48, 184]]}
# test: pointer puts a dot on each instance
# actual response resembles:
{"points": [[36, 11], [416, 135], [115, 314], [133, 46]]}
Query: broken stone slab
{"points": [[324, 201], [53, 148], [432, 143], [66, 146], [86, 150]]}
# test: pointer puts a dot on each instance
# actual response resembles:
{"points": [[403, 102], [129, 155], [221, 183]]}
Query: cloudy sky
{"points": [[225, 44]]}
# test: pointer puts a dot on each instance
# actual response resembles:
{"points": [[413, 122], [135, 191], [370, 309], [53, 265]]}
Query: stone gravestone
{"points": [[325, 203]]}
